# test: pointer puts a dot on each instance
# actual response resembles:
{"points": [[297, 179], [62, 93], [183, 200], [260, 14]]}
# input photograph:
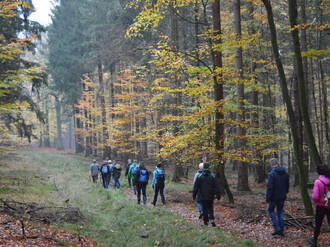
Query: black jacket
{"points": [[277, 185], [207, 185], [127, 169]]}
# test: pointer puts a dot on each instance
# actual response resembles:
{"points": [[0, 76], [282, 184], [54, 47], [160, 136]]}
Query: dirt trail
{"points": [[247, 219]]}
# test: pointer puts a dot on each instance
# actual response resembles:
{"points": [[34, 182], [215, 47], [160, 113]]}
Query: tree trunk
{"points": [[218, 97], [78, 138], [243, 172], [293, 14], [59, 142], [106, 147], [290, 112]]}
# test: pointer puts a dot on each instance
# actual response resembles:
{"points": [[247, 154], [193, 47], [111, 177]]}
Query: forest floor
{"points": [[246, 219]]}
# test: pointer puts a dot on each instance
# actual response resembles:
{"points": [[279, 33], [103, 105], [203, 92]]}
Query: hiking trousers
{"points": [[208, 213], [278, 223], [105, 180], [319, 216], [159, 188], [141, 187]]}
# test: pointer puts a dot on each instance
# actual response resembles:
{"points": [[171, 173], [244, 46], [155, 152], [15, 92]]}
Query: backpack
{"points": [[104, 169], [134, 170], [160, 178], [325, 198], [143, 175]]}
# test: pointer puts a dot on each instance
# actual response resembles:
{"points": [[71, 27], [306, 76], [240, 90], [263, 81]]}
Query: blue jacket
{"points": [[158, 170], [278, 185]]}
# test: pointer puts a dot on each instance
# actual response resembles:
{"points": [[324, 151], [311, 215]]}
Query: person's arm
{"points": [[126, 170], [196, 187], [317, 191], [154, 178], [270, 188]]}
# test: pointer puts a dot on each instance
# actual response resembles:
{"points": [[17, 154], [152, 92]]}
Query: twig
{"points": [[296, 221], [121, 228]]}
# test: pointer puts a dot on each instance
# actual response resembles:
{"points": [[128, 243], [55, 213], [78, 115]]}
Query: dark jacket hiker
{"points": [[277, 188], [278, 185], [141, 181], [208, 187]]}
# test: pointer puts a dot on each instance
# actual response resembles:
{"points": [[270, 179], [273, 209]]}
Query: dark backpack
{"points": [[160, 178], [325, 198], [143, 175], [104, 169]]}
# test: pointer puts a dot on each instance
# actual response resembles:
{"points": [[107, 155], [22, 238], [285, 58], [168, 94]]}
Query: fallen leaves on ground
{"points": [[15, 232]]}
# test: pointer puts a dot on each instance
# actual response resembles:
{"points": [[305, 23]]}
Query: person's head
{"points": [[206, 165], [134, 161], [129, 161], [141, 164], [106, 158], [94, 161], [201, 166], [323, 170], [273, 162], [159, 165]]}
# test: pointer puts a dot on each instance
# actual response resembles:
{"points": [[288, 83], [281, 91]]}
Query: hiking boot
{"points": [[213, 224], [276, 232], [200, 216], [312, 242], [281, 234]]}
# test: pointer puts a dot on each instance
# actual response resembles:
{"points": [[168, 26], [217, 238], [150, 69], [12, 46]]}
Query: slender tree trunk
{"points": [[293, 14], [46, 132], [259, 167], [106, 147], [290, 112], [218, 97], [243, 172], [59, 142], [78, 138]]}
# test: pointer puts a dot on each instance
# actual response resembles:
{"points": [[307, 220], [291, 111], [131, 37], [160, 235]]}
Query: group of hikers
{"points": [[136, 174], [206, 190]]}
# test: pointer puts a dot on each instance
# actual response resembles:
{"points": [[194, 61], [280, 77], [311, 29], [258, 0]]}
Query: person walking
{"points": [[141, 181], [131, 173], [105, 171], [208, 187], [158, 183], [277, 189], [116, 172], [94, 171], [318, 191], [129, 163], [198, 200]]}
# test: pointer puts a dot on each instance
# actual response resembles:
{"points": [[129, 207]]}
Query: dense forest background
{"points": [[231, 82]]}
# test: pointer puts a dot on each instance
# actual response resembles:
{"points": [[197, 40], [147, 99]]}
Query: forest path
{"points": [[247, 219]]}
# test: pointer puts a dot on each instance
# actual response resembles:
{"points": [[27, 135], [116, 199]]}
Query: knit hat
{"points": [[201, 166]]}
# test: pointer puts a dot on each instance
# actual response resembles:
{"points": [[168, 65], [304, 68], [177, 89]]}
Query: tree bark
{"points": [[218, 97], [290, 112], [293, 14], [243, 172], [106, 147]]}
